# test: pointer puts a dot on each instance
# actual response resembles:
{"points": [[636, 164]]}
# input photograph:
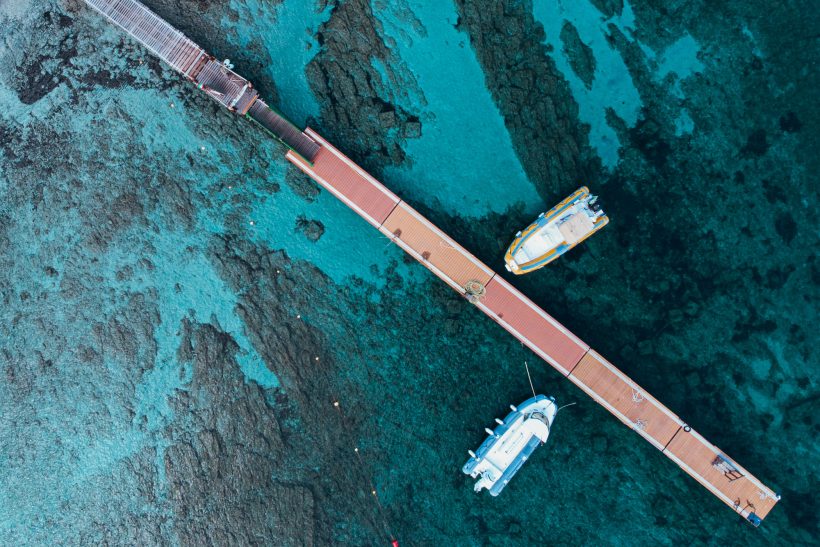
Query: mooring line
{"points": [[529, 378], [363, 466]]}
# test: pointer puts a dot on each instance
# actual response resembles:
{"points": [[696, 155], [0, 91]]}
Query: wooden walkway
{"points": [[278, 126], [211, 76], [428, 244], [151, 31], [534, 327]]}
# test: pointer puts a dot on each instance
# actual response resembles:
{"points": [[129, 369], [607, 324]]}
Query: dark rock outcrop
{"points": [[532, 95], [343, 75], [313, 229], [227, 448], [580, 55]]}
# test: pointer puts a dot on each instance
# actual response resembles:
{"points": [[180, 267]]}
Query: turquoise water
{"points": [[458, 117], [287, 33], [611, 86], [181, 308]]}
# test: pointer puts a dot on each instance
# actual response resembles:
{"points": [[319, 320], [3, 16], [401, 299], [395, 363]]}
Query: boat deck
{"points": [[545, 336]]}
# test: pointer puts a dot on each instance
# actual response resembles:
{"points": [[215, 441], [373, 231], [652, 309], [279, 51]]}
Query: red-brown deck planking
{"points": [[531, 325], [436, 250], [625, 399], [347, 181], [740, 490]]}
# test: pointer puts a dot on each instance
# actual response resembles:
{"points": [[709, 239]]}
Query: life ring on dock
{"points": [[475, 290], [687, 428]]}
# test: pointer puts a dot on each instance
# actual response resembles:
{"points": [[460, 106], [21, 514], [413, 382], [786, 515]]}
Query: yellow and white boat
{"points": [[555, 232]]}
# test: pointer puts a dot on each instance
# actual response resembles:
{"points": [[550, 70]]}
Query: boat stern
{"points": [[511, 265]]}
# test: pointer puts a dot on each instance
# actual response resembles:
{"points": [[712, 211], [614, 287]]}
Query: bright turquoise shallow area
{"points": [[180, 308], [611, 86], [463, 161], [287, 34]]}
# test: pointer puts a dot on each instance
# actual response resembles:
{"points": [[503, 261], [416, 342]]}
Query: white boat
{"points": [[511, 443]]}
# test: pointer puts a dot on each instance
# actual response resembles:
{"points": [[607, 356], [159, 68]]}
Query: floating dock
{"points": [[453, 264]]}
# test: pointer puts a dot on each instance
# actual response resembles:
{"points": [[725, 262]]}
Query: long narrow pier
{"points": [[453, 264]]}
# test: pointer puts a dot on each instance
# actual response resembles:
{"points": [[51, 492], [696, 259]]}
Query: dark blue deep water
{"points": [[180, 308]]}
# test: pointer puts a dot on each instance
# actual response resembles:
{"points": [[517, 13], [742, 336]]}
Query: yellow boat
{"points": [[555, 232]]}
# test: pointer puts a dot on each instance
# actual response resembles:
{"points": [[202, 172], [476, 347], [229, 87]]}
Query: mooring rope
{"points": [[565, 406], [526, 366], [362, 465]]}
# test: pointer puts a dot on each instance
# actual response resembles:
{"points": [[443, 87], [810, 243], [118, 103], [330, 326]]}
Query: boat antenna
{"points": [[565, 406], [529, 378]]}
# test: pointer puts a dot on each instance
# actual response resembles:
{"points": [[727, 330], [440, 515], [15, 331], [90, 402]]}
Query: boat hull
{"points": [[523, 237], [511, 444]]}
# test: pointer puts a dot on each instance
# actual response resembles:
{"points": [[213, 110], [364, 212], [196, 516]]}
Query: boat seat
{"points": [[576, 228]]}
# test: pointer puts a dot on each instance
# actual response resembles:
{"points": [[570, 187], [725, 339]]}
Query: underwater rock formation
{"points": [[313, 229], [180, 310], [533, 97], [343, 75], [225, 447], [580, 55]]}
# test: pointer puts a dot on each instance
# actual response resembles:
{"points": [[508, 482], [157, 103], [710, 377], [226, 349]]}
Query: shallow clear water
{"points": [[611, 86], [287, 31], [458, 116], [180, 308]]}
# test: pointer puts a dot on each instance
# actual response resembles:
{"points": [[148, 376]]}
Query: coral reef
{"points": [[180, 310], [533, 97], [352, 109]]}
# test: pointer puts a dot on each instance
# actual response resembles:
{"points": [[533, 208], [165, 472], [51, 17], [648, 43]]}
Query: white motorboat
{"points": [[511, 443]]}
